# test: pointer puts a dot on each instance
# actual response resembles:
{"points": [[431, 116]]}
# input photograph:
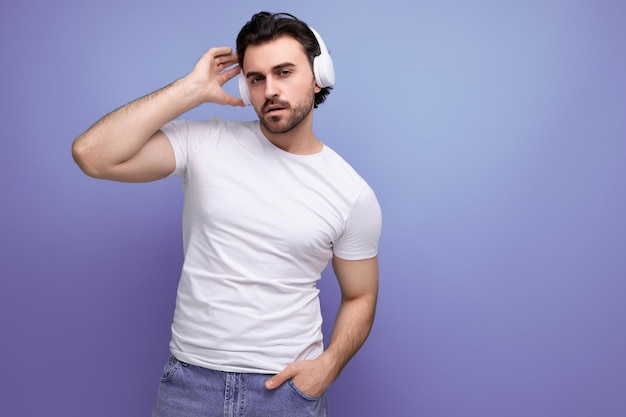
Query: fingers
{"points": [[231, 73], [225, 61], [216, 67], [281, 377], [223, 56], [224, 64], [234, 101], [220, 51], [216, 60], [226, 76]]}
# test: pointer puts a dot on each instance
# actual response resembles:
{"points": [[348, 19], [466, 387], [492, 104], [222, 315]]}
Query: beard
{"points": [[283, 123]]}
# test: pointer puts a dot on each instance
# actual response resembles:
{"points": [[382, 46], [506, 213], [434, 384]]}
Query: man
{"points": [[267, 205]]}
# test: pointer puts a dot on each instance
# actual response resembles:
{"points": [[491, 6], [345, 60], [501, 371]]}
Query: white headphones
{"points": [[323, 70]]}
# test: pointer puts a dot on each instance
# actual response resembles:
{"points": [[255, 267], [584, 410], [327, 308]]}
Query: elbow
{"points": [[85, 158]]}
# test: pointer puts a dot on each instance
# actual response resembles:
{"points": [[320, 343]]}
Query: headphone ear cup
{"points": [[243, 90], [323, 67], [324, 71]]}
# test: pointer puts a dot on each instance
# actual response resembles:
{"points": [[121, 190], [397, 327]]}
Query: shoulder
{"points": [[194, 133], [342, 172], [190, 127]]}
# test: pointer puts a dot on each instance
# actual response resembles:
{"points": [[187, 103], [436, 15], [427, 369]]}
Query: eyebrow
{"points": [[274, 68]]}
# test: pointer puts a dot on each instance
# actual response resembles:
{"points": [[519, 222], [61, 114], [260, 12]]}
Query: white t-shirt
{"points": [[259, 226]]}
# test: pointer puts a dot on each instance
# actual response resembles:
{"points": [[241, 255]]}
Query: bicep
{"points": [[357, 278], [155, 160]]}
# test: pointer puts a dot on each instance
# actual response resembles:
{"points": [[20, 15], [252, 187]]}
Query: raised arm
{"points": [[127, 145], [358, 281]]}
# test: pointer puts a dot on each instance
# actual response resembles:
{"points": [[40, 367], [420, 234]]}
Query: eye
{"points": [[284, 73], [257, 79]]}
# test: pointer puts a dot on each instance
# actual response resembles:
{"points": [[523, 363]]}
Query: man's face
{"points": [[281, 83]]}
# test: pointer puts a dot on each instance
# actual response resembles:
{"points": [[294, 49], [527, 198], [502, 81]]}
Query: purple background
{"points": [[494, 135]]}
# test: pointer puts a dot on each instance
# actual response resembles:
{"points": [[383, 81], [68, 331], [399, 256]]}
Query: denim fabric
{"points": [[191, 391]]}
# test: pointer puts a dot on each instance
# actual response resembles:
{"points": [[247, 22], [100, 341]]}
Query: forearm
{"points": [[352, 327], [119, 135]]}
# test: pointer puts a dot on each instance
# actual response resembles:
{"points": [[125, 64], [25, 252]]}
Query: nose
{"points": [[271, 88]]}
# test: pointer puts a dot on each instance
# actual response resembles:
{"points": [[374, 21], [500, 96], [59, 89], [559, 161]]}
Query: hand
{"points": [[312, 377], [216, 67]]}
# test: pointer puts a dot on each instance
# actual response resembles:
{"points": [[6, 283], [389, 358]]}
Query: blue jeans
{"points": [[192, 391]]}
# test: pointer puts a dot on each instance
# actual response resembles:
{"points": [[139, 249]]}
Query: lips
{"points": [[272, 107]]}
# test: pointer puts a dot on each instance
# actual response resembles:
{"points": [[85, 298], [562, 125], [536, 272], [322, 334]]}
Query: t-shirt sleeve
{"points": [[363, 228], [186, 137], [177, 132]]}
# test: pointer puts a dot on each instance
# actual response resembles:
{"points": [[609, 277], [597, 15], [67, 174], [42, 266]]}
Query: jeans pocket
{"points": [[170, 369], [301, 394]]}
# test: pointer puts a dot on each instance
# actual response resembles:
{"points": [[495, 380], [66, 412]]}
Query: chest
{"points": [[273, 204]]}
